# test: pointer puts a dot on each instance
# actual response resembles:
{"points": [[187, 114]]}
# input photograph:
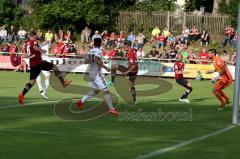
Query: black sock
{"points": [[133, 91], [58, 74], [186, 93], [27, 87], [113, 75]]}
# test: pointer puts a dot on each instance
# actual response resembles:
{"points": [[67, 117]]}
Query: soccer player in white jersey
{"points": [[46, 74], [96, 79]]}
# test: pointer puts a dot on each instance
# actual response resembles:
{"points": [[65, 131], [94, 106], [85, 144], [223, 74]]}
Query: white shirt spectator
{"points": [[22, 33], [3, 32], [140, 53]]}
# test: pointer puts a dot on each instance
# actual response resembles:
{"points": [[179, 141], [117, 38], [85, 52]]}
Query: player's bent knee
{"points": [[106, 91]]}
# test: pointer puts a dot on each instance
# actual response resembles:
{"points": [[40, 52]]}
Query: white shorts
{"points": [[46, 73], [98, 83]]}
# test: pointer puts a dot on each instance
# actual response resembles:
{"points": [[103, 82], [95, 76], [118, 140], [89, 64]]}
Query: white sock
{"points": [[38, 80], [108, 100], [88, 95], [46, 84]]}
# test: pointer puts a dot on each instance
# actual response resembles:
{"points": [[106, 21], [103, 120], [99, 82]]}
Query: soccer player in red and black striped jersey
{"points": [[36, 63], [131, 71], [179, 69]]}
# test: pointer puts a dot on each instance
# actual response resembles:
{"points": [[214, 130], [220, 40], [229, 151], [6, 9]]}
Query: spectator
{"points": [[22, 34], [173, 53], [45, 46], [161, 41], [228, 35], [140, 53], [194, 34], [3, 34], [104, 53], [233, 58], [121, 39], [182, 42], [60, 35], [96, 35], [112, 40], [72, 50], [185, 53], [192, 57], [154, 53], [166, 33], [12, 35], [60, 45], [105, 37], [203, 56], [24, 47], [171, 40], [135, 46], [68, 36], [225, 56], [83, 51], [205, 38], [49, 37], [131, 37], [155, 32], [185, 33], [140, 38], [65, 49], [5, 48], [164, 55], [40, 36], [85, 34], [234, 41]]}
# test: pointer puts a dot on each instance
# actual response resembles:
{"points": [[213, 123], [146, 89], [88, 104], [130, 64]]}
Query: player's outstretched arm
{"points": [[99, 62]]}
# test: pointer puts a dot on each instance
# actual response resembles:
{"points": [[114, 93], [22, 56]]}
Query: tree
{"points": [[230, 7], [191, 5], [10, 13], [155, 5]]}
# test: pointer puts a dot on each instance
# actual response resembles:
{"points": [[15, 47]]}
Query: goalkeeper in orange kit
{"points": [[223, 80]]}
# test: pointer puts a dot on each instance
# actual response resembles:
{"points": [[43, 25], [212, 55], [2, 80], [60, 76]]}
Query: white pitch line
{"points": [[87, 135], [168, 149]]}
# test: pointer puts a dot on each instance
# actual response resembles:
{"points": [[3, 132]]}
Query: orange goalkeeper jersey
{"points": [[219, 65]]}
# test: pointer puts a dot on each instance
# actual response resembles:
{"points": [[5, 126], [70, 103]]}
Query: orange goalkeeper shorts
{"points": [[223, 82]]}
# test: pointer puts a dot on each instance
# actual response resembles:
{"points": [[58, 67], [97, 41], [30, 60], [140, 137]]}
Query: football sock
{"points": [[133, 91], [113, 75], [186, 93], [224, 96], [58, 74], [108, 100], [26, 88], [38, 80], [46, 85], [88, 95], [219, 97]]}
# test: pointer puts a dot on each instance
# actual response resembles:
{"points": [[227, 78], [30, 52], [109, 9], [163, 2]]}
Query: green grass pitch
{"points": [[34, 131]]}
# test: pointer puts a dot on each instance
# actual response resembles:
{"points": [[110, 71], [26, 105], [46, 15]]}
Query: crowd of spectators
{"points": [[164, 44]]}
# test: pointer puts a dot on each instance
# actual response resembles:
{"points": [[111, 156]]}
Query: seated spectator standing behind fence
{"points": [[12, 34], [171, 40], [225, 56], [65, 49], [60, 35], [154, 53], [85, 34], [192, 57], [185, 33], [203, 56], [228, 35], [135, 46], [83, 51], [140, 53], [131, 37], [155, 32], [96, 35], [164, 55], [173, 54], [3, 34], [72, 50], [112, 40], [194, 34], [60, 45], [49, 37], [166, 32], [68, 36], [205, 38], [40, 36], [105, 37], [140, 38], [185, 53], [5, 48], [22, 34], [182, 42], [121, 38], [161, 41]]}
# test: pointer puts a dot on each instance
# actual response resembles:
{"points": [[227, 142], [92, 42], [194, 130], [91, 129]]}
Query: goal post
{"points": [[235, 116]]}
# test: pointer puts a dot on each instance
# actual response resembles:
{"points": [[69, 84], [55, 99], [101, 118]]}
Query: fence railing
{"points": [[215, 24]]}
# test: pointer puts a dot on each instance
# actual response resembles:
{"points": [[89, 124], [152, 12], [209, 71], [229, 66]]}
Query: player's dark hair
{"points": [[32, 33], [214, 51], [97, 42]]}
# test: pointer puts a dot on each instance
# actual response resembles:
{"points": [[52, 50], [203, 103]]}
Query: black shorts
{"points": [[36, 70], [183, 82], [131, 75]]}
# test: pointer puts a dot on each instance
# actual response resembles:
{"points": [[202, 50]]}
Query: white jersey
{"points": [[94, 70]]}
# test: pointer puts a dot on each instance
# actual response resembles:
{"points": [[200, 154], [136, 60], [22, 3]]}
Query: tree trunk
{"points": [[215, 7]]}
